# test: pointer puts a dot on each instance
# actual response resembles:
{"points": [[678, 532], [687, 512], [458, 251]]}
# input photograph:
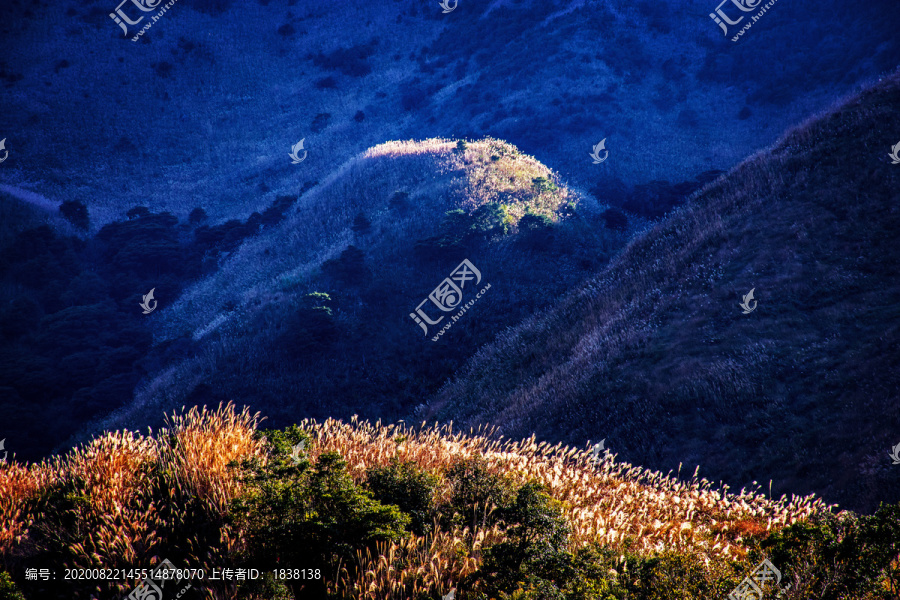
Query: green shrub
{"points": [[842, 556], [309, 514], [408, 488], [320, 122], [197, 216], [475, 495], [138, 212], [674, 576], [400, 202], [614, 219], [455, 230], [349, 268], [361, 224], [534, 554], [536, 231], [413, 98], [542, 184], [8, 589], [311, 327], [351, 61], [490, 218]]}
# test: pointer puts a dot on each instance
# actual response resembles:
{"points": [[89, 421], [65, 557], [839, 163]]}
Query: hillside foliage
{"points": [[73, 340], [375, 237], [391, 512], [655, 353]]}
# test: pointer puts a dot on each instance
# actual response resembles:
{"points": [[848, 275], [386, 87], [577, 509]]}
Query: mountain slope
{"points": [[656, 356], [203, 110], [126, 501], [312, 316]]}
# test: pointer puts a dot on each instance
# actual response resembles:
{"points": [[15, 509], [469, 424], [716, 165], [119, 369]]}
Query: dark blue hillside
{"points": [[203, 109]]}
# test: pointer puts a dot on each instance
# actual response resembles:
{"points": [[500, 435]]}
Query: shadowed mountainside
{"points": [[313, 315], [655, 355]]}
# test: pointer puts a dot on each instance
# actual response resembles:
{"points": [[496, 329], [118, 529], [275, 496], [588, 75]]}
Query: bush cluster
{"points": [[392, 512]]}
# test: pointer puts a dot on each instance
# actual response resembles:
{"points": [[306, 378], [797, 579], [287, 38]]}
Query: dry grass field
{"points": [[125, 495]]}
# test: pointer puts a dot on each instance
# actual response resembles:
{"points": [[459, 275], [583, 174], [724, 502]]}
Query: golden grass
{"points": [[18, 483], [494, 171], [110, 483], [116, 487], [415, 565], [204, 443], [119, 520], [612, 503]]}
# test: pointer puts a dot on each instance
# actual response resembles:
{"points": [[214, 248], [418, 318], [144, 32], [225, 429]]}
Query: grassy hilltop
{"points": [[390, 512], [317, 306]]}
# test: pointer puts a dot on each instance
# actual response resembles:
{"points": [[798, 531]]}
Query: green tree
{"points": [[407, 487], [312, 326], [455, 229], [536, 231], [361, 224], [475, 495], [490, 218], [197, 216], [400, 202], [534, 555], [542, 184], [349, 268], [615, 219], [137, 212], [303, 514], [842, 556]]}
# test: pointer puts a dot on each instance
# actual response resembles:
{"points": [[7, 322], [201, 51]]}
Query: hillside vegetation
{"points": [[313, 314], [655, 355], [390, 512], [197, 119]]}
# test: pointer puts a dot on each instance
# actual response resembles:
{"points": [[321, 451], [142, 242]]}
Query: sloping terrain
{"points": [[310, 316], [385, 512], [655, 355], [203, 110], [313, 316]]}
